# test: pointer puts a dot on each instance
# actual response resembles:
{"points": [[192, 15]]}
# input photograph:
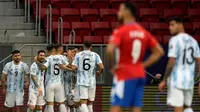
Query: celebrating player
{"points": [[86, 62], [14, 75], [132, 41], [183, 51], [36, 88]]}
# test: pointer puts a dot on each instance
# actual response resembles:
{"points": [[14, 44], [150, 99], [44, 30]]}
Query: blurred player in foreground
{"points": [[36, 88], [15, 74], [86, 63], [132, 41], [179, 74]]}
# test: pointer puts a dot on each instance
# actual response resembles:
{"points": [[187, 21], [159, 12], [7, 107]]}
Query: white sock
{"points": [[38, 110], [49, 108], [78, 109], [28, 110], [68, 109], [62, 108], [90, 108], [188, 110], [83, 108]]}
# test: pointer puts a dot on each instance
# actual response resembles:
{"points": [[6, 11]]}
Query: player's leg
{"points": [[91, 94], [40, 103], [60, 97], [77, 98], [10, 101], [38, 108], [188, 96], [49, 98], [32, 100], [19, 101], [83, 98]]}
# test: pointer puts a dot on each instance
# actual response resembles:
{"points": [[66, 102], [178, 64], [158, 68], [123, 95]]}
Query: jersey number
{"points": [[86, 65], [56, 69], [136, 50], [185, 59]]}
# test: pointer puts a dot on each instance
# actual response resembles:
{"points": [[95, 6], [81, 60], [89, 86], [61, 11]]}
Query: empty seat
{"points": [[159, 38], [70, 15], [196, 28], [182, 4], [168, 13], [114, 25], [80, 3], [188, 28], [108, 15], [195, 3], [106, 39], [81, 28], [197, 37], [160, 5], [194, 15], [141, 3], [144, 25], [78, 40], [100, 28], [94, 39], [116, 3], [55, 14], [166, 39], [160, 29], [99, 4], [149, 15], [60, 3], [44, 3], [90, 15]]}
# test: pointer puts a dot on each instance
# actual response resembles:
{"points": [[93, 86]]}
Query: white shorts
{"points": [[14, 98], [35, 99], [178, 98], [85, 92], [70, 98], [55, 90]]}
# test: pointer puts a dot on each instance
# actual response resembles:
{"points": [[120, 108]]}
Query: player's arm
{"points": [[4, 78], [75, 63], [100, 64], [27, 76], [63, 64], [169, 68]]}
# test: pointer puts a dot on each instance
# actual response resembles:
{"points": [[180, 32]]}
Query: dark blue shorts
{"points": [[128, 93]]}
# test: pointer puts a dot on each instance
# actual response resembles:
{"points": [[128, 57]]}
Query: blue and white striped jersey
{"points": [[185, 49], [15, 76], [86, 62]]}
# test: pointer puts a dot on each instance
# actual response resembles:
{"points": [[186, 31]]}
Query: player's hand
{"points": [[35, 58], [4, 91], [40, 91], [98, 73], [114, 69], [162, 85]]}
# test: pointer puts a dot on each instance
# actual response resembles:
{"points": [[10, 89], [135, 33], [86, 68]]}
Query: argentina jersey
{"points": [[15, 76], [185, 49], [35, 70], [86, 62]]}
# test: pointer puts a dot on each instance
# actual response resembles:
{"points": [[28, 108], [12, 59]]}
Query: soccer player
{"points": [[179, 74], [131, 41], [36, 88], [86, 62], [14, 77]]}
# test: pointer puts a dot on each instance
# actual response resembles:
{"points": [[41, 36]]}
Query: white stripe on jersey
{"points": [[86, 62], [185, 49]]}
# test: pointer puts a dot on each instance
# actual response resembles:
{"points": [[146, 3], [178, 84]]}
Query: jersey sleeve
{"points": [[75, 62], [5, 69], [197, 51], [98, 59], [33, 70], [116, 37], [152, 42], [47, 62], [172, 52], [27, 69]]}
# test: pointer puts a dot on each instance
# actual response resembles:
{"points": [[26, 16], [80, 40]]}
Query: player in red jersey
{"points": [[132, 41]]}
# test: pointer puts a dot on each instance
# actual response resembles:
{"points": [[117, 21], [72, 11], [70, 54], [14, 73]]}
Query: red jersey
{"points": [[132, 41]]}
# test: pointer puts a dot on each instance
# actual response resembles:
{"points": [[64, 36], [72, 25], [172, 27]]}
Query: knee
{"points": [[50, 103], [32, 107], [39, 107], [89, 102], [83, 101]]}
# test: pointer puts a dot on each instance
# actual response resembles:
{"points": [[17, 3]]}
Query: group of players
{"points": [[66, 78]]}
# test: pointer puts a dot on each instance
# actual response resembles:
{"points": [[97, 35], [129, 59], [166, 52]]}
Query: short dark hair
{"points": [[87, 44], [58, 45], [70, 48], [176, 19], [41, 51], [50, 47], [15, 52], [131, 7]]}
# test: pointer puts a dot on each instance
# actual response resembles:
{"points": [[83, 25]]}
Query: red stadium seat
{"points": [[141, 3], [160, 29], [194, 15], [114, 25], [108, 15], [94, 39], [55, 15], [159, 38], [60, 3], [195, 3], [182, 4], [70, 15], [160, 5], [90, 15], [44, 3], [100, 28], [168, 13], [197, 37], [106, 39], [78, 40], [116, 3], [166, 39], [80, 3], [149, 15], [81, 28], [188, 28], [144, 25], [196, 28], [99, 4]]}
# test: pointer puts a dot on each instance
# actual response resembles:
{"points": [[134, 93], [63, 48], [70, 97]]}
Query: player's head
{"points": [[41, 55], [16, 56], [59, 48], [176, 25], [127, 10], [87, 45], [51, 48]]}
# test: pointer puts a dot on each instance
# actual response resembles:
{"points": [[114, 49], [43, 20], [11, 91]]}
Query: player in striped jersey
{"points": [[14, 74], [86, 62], [179, 75], [36, 88]]}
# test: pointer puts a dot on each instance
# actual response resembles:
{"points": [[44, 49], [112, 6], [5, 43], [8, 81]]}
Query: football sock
{"points": [[90, 108], [49, 108], [28, 110], [62, 108], [39, 111], [83, 108], [188, 110]]}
